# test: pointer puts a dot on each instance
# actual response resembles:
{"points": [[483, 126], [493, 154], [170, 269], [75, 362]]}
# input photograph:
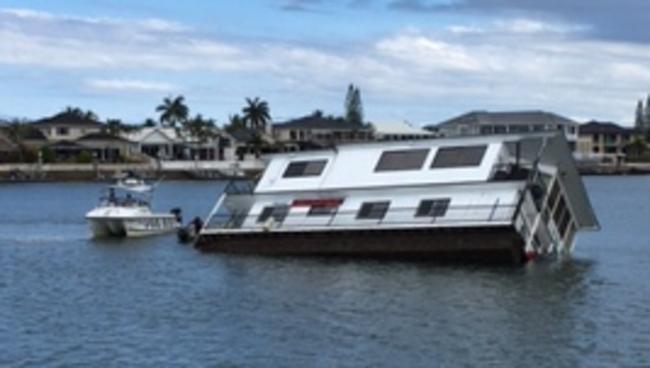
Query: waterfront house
{"points": [[67, 126], [604, 142], [105, 147], [317, 130], [513, 122], [177, 144], [8, 149]]}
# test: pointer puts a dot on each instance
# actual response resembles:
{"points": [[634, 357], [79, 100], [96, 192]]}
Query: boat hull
{"points": [[495, 244], [132, 228]]}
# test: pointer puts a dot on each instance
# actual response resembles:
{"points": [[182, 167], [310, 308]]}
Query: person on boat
{"points": [[111, 196], [129, 200]]}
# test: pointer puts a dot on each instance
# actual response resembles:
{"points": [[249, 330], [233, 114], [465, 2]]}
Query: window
{"points": [[373, 210], [278, 213], [299, 169], [518, 128], [433, 207], [458, 157], [487, 129], [402, 160], [322, 210], [499, 129], [62, 131]]}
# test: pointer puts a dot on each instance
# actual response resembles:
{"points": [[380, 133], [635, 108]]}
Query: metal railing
{"points": [[457, 215]]}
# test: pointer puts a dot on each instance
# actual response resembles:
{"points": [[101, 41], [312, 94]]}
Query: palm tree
{"points": [[256, 114], [173, 111], [201, 128], [236, 123]]}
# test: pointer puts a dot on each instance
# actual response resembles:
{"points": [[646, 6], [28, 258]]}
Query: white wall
{"points": [[353, 167]]}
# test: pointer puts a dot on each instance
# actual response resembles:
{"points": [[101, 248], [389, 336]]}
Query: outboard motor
{"points": [[178, 213]]}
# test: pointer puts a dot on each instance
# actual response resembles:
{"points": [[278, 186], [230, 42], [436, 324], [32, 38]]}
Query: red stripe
{"points": [[326, 202]]}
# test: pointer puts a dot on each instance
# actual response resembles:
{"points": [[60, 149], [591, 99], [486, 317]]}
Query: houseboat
{"points": [[482, 198]]}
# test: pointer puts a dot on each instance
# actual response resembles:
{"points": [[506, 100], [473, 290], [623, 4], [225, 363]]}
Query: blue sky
{"points": [[416, 60]]}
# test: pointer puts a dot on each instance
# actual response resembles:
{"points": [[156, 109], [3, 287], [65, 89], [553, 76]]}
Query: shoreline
{"points": [[190, 171], [62, 173]]}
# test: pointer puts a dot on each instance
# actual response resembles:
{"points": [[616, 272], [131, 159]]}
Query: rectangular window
{"points": [[468, 156], [402, 160], [278, 213], [433, 207], [499, 129], [299, 169], [62, 131], [373, 210], [322, 210]]}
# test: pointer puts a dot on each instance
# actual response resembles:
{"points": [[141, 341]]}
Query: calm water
{"points": [[68, 301]]}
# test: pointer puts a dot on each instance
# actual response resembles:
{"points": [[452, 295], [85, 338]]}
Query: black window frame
{"points": [[304, 169], [322, 211], [435, 207], [394, 160], [459, 157], [376, 210], [279, 212]]}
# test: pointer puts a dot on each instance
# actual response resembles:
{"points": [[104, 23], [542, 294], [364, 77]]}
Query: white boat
{"points": [[125, 211], [507, 197]]}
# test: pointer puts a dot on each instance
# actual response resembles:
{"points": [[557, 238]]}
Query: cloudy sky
{"points": [[418, 60]]}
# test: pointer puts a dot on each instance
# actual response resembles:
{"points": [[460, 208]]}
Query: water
{"points": [[68, 301]]}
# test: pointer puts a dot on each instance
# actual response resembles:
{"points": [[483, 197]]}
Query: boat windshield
{"points": [[119, 196]]}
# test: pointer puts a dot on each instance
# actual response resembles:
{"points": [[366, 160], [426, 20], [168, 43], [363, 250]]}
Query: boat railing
{"points": [[455, 215]]}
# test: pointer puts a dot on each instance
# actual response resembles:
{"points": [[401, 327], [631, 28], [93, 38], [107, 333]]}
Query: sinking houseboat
{"points": [[481, 198]]}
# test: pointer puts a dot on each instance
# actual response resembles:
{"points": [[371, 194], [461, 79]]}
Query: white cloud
{"points": [[128, 85], [513, 63]]}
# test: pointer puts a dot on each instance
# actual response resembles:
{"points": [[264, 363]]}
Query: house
{"points": [[8, 149], [175, 144], [105, 147], [320, 131], [400, 131], [67, 126], [487, 123], [604, 142]]}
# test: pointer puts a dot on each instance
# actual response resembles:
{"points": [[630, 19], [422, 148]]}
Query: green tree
{"points": [[114, 127], [639, 120], [76, 111], [173, 111], [256, 114], [636, 148], [201, 128], [646, 114], [149, 123], [235, 123], [353, 105]]}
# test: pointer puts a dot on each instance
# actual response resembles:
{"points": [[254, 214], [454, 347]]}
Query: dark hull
{"points": [[485, 245]]}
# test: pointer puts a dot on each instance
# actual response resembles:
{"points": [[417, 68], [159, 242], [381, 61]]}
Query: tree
{"points": [[639, 120], [149, 123], [256, 114], [353, 106], [88, 114], [114, 127], [636, 148], [646, 115], [173, 111], [201, 128], [236, 123]]}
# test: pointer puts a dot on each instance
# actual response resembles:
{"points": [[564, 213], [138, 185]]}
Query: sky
{"points": [[422, 61]]}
